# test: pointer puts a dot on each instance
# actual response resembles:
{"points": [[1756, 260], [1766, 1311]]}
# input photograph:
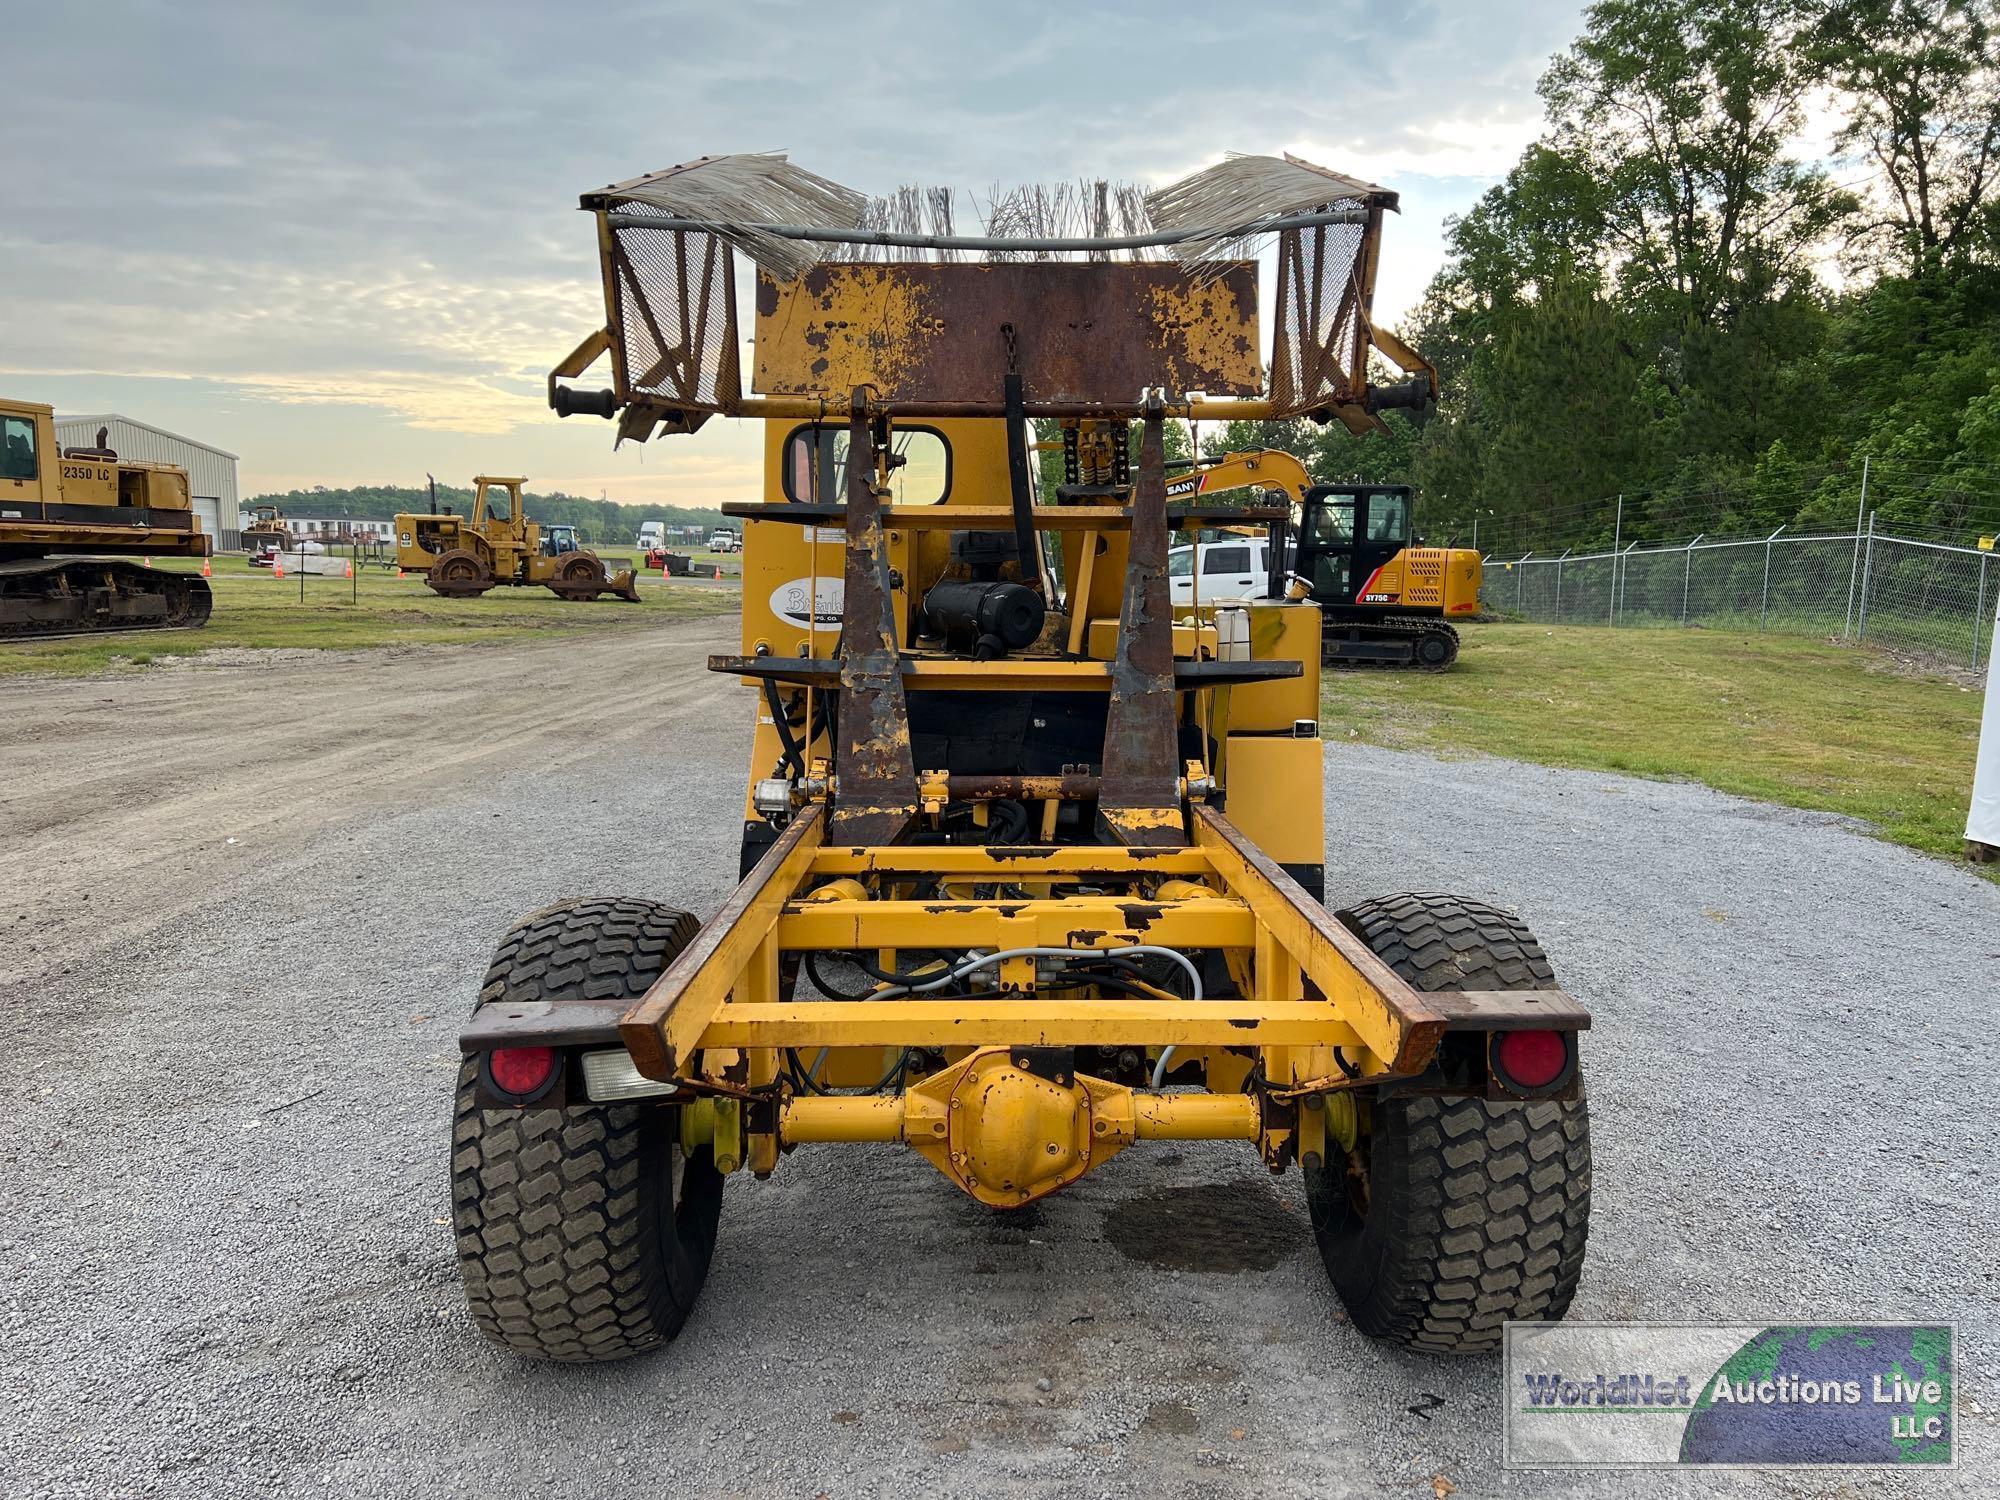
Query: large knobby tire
{"points": [[1454, 1215], [585, 1233]]}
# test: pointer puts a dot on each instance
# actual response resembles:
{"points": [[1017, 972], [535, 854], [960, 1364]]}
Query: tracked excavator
{"points": [[1384, 600], [79, 529]]}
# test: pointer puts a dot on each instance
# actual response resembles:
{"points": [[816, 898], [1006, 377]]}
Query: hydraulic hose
{"points": [[985, 961]]}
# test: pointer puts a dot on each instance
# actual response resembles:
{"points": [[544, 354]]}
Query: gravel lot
{"points": [[249, 904]]}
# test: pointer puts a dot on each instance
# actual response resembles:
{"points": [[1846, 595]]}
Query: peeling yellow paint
{"points": [[840, 327], [1208, 325]]}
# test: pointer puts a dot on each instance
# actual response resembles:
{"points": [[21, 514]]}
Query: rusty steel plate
{"points": [[1087, 333]]}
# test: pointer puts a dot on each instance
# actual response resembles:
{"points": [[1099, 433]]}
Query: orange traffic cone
{"points": [[149, 562], [718, 572], [399, 572], [349, 573], [278, 565], [204, 569]]}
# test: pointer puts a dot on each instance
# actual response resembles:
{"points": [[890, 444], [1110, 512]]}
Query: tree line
{"points": [[1673, 296], [605, 523]]}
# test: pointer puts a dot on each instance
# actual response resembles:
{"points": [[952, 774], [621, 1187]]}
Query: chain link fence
{"points": [[1927, 598]]}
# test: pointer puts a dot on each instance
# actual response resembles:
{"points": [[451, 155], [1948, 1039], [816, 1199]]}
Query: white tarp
{"points": [[1983, 821]]}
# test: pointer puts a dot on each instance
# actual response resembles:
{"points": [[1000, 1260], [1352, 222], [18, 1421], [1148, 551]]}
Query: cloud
{"points": [[368, 211]]}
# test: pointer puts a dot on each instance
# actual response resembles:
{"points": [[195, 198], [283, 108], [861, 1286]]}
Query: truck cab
{"points": [[1237, 567]]}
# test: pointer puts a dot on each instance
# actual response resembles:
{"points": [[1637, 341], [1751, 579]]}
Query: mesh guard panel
{"points": [[1319, 347], [676, 318]]}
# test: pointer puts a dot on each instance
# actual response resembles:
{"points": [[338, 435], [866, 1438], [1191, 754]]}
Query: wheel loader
{"points": [[462, 557], [56, 503], [1031, 875], [1383, 599], [266, 529]]}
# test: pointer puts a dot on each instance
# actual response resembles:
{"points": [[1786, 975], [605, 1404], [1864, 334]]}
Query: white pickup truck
{"points": [[1237, 568]]}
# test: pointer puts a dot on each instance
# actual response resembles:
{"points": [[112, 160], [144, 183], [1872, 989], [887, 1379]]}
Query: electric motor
{"points": [[986, 619]]}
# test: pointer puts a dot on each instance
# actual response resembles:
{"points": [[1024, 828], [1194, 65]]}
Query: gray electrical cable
{"points": [[959, 971], [987, 960]]}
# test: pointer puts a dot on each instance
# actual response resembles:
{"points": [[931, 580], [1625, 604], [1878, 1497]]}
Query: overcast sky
{"points": [[342, 240]]}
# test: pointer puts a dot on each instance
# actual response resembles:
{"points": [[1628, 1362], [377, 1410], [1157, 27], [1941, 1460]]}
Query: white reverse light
{"points": [[612, 1075]]}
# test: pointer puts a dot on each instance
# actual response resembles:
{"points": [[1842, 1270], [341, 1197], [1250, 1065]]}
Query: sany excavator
{"points": [[1383, 600]]}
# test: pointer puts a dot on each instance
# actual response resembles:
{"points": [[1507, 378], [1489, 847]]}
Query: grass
{"points": [[254, 611], [1800, 722]]}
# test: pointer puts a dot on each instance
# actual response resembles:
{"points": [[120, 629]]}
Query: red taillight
{"points": [[521, 1071], [1532, 1059]]}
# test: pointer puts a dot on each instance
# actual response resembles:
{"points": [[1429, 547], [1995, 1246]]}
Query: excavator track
{"points": [[1400, 642], [46, 597]]}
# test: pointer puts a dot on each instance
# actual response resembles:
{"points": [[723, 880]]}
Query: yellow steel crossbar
{"points": [[1001, 517], [1365, 1007], [1056, 1022], [1078, 922], [1397, 1023], [664, 1027], [1004, 861], [1011, 675]]}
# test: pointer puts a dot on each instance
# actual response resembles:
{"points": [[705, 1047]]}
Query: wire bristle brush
{"points": [[1225, 205], [736, 193]]}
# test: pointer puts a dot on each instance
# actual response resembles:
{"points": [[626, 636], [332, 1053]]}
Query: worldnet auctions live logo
{"points": [[1624, 1395]]}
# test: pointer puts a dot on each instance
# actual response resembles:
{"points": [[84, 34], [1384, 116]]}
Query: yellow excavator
{"points": [[1383, 600], [80, 529], [463, 556]]}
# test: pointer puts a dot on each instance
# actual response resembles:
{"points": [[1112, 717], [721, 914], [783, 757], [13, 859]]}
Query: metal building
{"points": [[211, 470]]}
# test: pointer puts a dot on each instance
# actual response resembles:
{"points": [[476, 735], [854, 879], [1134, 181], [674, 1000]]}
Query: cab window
{"points": [[1388, 518], [1226, 560], [1180, 564], [499, 504], [815, 465], [1333, 523], [17, 449]]}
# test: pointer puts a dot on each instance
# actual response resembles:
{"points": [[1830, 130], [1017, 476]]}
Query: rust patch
{"points": [[1139, 802], [1089, 333], [1003, 853], [877, 774]]}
